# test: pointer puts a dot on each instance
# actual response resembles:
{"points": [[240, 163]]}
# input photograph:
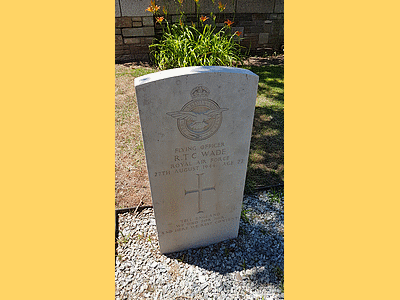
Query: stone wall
{"points": [[133, 35], [261, 21]]}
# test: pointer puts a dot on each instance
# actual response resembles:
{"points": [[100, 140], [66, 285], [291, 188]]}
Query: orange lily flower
{"points": [[159, 19], [153, 7], [228, 23], [221, 6], [203, 18], [238, 33]]}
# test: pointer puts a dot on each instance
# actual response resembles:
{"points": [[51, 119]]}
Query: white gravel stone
{"points": [[212, 272]]}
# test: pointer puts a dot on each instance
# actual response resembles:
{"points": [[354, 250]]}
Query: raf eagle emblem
{"points": [[197, 120], [200, 118]]}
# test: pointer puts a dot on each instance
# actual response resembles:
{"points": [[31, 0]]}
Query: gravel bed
{"points": [[248, 267]]}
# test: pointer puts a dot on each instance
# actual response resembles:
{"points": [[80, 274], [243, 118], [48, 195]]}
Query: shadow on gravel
{"points": [[258, 251]]}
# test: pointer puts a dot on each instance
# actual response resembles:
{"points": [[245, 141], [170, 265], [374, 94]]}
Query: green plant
{"points": [[249, 185], [183, 46], [244, 217], [226, 251], [242, 231], [123, 239], [182, 258], [243, 265], [280, 276], [275, 196], [198, 44]]}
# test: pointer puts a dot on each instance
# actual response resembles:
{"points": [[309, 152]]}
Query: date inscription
{"points": [[199, 158]]}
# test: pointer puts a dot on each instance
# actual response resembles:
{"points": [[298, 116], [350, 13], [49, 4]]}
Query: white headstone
{"points": [[117, 9], [196, 125], [134, 8]]}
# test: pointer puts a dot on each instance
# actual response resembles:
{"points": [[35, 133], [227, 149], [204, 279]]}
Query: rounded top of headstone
{"points": [[188, 71]]}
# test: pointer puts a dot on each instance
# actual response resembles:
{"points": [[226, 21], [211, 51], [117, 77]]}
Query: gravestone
{"points": [[173, 7], [252, 6], [133, 8], [196, 125]]}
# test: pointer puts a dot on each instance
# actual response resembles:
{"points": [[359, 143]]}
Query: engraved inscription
{"points": [[162, 173], [200, 118], [198, 222], [196, 158], [200, 191]]}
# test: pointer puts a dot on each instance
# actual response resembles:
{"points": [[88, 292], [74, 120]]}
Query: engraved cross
{"points": [[200, 190]]}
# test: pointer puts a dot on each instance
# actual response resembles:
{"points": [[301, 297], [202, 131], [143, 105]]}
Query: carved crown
{"points": [[200, 92]]}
